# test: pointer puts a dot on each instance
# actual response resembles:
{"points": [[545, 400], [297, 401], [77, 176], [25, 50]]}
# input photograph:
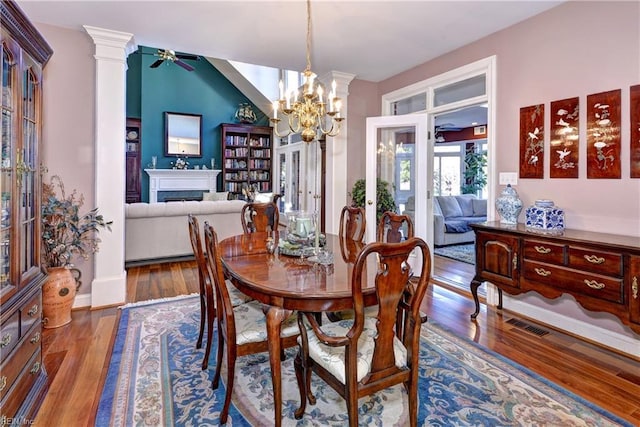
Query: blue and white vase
{"points": [[509, 205]]}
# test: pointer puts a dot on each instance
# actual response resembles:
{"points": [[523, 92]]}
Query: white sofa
{"points": [[154, 231]]}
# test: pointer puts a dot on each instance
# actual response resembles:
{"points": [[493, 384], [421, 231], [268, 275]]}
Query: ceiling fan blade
{"points": [[184, 65], [157, 63], [187, 56]]}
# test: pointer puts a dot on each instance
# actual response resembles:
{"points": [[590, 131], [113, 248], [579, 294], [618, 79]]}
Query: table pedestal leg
{"points": [[275, 317]]}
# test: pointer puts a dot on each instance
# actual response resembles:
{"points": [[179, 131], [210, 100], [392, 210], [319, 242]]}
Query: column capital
{"points": [[110, 43]]}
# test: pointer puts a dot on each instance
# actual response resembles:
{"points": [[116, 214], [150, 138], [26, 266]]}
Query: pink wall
{"points": [[364, 102], [68, 134], [575, 49]]}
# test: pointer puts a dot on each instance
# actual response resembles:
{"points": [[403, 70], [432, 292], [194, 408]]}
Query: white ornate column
{"points": [[336, 174], [111, 50]]}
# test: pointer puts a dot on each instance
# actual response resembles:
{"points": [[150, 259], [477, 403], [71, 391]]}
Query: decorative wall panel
{"points": [[603, 135], [532, 141], [635, 131], [565, 138]]}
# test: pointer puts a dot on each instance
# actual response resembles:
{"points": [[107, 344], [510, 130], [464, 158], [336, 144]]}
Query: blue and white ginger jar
{"points": [[543, 215], [509, 205]]}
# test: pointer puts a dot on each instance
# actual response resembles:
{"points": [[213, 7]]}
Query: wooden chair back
{"points": [[227, 334], [258, 217], [353, 223], [207, 302], [394, 228], [398, 304]]}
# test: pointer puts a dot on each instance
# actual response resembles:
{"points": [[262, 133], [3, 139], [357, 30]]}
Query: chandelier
{"points": [[305, 108]]}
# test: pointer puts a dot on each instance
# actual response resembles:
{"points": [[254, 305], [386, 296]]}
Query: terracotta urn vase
{"points": [[58, 294]]}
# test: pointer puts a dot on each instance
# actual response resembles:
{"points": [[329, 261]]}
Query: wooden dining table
{"points": [[290, 283]]}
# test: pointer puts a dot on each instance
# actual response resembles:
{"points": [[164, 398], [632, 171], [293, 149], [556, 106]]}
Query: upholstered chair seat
{"points": [[251, 324], [332, 358]]}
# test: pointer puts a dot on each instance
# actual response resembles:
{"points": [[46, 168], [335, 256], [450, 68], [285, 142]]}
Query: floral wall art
{"points": [[603, 135], [532, 141], [635, 131], [565, 139]]}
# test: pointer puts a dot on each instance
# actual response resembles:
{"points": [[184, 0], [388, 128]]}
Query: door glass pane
{"points": [[464, 89], [396, 167], [295, 181], [412, 104], [5, 174], [27, 179]]}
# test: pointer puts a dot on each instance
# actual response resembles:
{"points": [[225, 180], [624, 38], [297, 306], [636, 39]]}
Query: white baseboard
{"points": [[82, 301], [624, 343]]}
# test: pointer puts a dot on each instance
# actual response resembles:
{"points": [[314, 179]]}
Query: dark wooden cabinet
{"points": [[23, 55], [246, 158], [133, 171], [601, 271]]}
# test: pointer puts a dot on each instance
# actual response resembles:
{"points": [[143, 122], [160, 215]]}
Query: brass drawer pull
{"points": [[5, 341], [634, 287], [36, 368], [514, 261], [36, 338], [593, 284], [542, 272], [33, 311], [3, 382], [542, 249], [594, 259]]}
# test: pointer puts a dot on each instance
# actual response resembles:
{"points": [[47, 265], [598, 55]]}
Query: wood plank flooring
{"points": [[76, 356]]}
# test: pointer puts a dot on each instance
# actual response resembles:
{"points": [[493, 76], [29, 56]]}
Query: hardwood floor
{"points": [[76, 356]]}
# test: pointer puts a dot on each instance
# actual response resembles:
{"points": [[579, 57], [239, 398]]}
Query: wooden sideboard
{"points": [[601, 271]]}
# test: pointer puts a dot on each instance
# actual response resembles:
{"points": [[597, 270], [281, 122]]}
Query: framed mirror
{"points": [[182, 134]]}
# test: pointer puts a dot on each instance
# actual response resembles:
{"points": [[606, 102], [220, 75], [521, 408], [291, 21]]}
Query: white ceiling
{"points": [[371, 39]]}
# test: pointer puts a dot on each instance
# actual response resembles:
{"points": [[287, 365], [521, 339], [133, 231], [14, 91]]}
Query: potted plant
{"points": [[385, 201], [66, 234]]}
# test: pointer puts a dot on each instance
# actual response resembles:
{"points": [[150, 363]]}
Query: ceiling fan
{"points": [[172, 56]]}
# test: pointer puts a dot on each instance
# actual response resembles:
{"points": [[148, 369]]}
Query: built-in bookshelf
{"points": [[246, 158]]}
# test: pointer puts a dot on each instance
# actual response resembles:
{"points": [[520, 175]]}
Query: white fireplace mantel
{"points": [[180, 180]]}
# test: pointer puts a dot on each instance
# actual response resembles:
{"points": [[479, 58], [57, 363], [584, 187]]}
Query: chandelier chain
{"points": [[308, 35]]}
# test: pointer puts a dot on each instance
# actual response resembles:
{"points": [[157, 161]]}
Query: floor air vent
{"points": [[528, 327]]}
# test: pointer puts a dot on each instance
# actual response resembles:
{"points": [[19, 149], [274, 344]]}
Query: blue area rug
{"points": [[465, 252], [155, 379]]}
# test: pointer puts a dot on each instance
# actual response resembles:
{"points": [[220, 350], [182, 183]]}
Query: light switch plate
{"points": [[508, 178]]}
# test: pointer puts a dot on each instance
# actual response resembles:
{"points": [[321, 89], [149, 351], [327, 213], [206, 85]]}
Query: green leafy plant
{"points": [[65, 232], [475, 178], [383, 195]]}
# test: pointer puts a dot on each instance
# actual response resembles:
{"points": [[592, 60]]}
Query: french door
{"points": [[398, 154]]}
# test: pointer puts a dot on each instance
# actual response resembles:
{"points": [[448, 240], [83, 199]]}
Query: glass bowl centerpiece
{"points": [[301, 237]]}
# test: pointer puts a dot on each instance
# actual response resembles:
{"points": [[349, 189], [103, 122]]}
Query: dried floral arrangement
{"points": [[65, 232]]}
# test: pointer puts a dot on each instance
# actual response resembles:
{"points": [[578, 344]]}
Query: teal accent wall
{"points": [[153, 91]]}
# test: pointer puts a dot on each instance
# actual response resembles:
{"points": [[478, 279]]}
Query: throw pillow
{"points": [[215, 197], [449, 206], [464, 201], [480, 207]]}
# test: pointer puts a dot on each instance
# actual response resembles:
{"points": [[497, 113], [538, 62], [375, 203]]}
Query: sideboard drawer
{"points": [[596, 261], [9, 335], [11, 402], [31, 312], [10, 369], [593, 285], [544, 251]]}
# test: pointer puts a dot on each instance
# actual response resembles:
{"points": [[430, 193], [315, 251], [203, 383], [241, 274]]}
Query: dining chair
{"points": [[258, 217], [241, 329], [207, 301], [353, 223], [363, 355], [394, 228]]}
